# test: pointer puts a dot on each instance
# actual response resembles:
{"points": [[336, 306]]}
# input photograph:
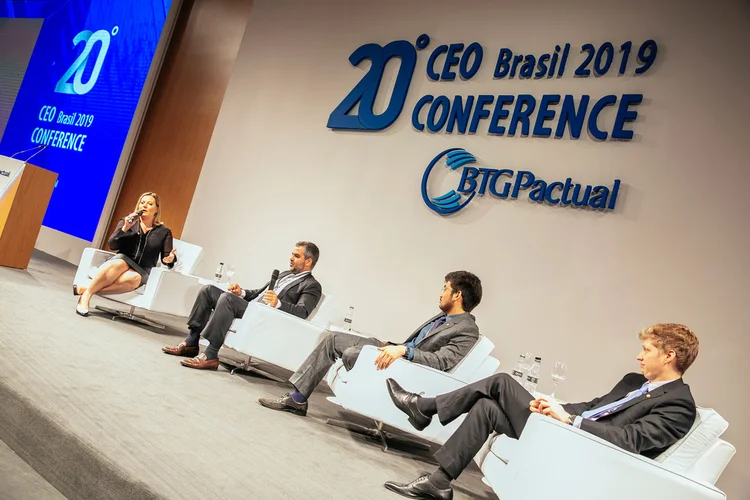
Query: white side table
{"points": [[221, 286]]}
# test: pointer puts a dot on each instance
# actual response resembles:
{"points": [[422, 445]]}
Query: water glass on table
{"points": [[229, 272], [559, 374]]}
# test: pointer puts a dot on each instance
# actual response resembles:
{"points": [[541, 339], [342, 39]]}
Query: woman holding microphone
{"points": [[140, 239]]}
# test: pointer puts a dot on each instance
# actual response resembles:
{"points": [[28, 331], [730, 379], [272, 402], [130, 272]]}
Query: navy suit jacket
{"points": [[648, 424]]}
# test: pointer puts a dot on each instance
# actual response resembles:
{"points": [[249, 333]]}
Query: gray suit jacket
{"points": [[448, 344], [299, 298]]}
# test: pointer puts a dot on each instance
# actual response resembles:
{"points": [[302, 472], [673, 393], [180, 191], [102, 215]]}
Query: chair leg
{"points": [[245, 365], [378, 434], [129, 315], [251, 366]]}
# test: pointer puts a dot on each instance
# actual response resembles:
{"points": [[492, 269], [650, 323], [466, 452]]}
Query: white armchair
{"points": [[363, 390], [168, 291], [277, 337], [577, 464]]}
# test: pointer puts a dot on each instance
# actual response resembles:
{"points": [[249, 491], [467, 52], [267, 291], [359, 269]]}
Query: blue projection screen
{"points": [[79, 94]]}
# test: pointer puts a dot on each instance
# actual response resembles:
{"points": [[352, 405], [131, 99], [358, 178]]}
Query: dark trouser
{"points": [[495, 404], [335, 346], [226, 307]]}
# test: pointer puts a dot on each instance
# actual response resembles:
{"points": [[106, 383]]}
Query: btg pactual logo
{"points": [[505, 183], [451, 201], [77, 69]]}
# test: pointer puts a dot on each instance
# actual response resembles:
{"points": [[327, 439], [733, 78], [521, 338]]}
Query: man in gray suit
{"points": [[439, 343], [295, 292]]}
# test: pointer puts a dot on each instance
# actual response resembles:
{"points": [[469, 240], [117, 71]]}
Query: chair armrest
{"points": [[416, 377], [91, 257], [566, 458], [274, 336], [363, 390]]}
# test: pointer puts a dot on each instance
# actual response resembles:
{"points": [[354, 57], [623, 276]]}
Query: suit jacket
{"points": [[648, 424], [448, 344], [299, 298]]}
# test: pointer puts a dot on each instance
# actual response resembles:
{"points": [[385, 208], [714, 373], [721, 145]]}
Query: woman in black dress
{"points": [[140, 239]]}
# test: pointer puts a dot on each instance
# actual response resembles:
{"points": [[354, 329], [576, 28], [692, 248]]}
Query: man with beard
{"points": [[296, 292], [439, 343]]}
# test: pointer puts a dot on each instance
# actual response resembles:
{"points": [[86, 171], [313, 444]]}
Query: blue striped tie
{"points": [[611, 407]]}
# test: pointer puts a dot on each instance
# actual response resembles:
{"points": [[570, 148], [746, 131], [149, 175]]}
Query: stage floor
{"points": [[98, 411]]}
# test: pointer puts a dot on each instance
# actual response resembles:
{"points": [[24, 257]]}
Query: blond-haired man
{"points": [[644, 413]]}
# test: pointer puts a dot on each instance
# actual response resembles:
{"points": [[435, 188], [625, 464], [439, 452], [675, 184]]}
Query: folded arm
{"points": [[306, 302], [661, 428], [118, 236]]}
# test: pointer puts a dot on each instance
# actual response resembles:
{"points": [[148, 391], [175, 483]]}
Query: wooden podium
{"points": [[25, 191]]}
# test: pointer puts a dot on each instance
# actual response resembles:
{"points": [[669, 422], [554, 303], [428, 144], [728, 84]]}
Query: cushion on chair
{"points": [[706, 429], [709, 467], [473, 359], [188, 257]]}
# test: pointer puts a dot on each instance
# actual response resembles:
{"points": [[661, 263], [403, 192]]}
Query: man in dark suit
{"points": [[440, 343], [645, 413], [296, 292]]}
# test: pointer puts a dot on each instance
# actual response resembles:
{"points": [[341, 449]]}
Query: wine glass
{"points": [[229, 273], [559, 374]]}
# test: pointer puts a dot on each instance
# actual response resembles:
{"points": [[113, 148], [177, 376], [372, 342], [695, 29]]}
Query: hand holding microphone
{"points": [[270, 297], [130, 219], [135, 215]]}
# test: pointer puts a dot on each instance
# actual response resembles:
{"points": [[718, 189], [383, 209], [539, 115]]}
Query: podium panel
{"points": [[25, 191]]}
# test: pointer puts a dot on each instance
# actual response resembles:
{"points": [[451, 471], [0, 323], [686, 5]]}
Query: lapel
{"points": [[658, 392], [445, 326], [416, 332], [292, 286]]}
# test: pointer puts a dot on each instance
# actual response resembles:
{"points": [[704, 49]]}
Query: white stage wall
{"points": [[567, 284]]}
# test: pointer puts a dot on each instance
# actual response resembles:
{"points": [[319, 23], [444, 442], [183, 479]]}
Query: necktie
{"points": [[436, 324], [611, 407], [423, 335], [276, 287]]}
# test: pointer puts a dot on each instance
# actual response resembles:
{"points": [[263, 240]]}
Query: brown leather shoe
{"points": [[201, 363], [181, 350]]}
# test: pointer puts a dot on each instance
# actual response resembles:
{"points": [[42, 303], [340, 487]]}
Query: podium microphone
{"points": [[274, 277], [40, 150], [27, 150]]}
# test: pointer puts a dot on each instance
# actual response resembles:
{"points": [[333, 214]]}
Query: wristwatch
{"points": [[571, 419]]}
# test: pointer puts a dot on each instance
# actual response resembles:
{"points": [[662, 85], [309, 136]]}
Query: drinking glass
{"points": [[229, 272], [559, 374]]}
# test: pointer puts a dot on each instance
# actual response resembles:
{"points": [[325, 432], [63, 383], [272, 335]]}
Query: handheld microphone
{"points": [[137, 214], [274, 277], [27, 150]]}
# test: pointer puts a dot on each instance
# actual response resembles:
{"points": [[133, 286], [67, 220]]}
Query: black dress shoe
{"points": [[420, 488], [285, 403], [407, 403]]}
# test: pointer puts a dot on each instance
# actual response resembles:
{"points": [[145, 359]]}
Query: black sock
{"points": [[440, 479], [211, 352], [193, 338], [427, 406]]}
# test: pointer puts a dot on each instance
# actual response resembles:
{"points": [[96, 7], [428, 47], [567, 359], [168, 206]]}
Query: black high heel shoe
{"points": [[75, 290]]}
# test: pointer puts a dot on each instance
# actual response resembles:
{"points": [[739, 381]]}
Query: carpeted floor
{"points": [[97, 410]]}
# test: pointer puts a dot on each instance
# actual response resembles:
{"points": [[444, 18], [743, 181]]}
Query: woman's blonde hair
{"points": [[157, 216]]}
